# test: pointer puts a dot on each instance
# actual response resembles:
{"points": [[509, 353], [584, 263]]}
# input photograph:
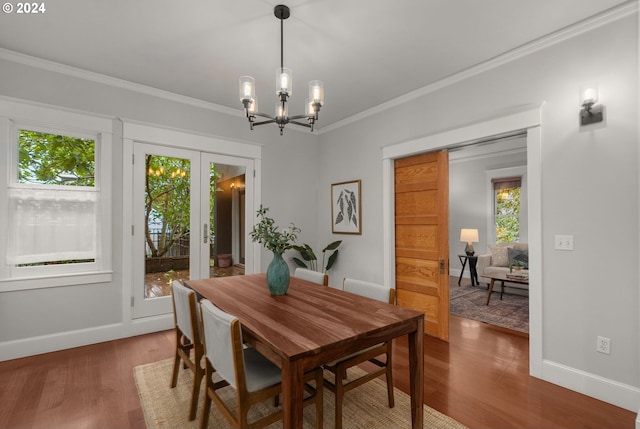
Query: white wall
{"points": [[584, 170], [41, 320]]}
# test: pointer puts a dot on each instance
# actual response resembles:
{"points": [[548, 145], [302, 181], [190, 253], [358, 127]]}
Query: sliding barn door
{"points": [[422, 230]]}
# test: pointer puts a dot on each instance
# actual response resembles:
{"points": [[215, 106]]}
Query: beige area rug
{"points": [[364, 407]]}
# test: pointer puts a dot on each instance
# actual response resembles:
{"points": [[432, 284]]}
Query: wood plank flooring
{"points": [[480, 378]]}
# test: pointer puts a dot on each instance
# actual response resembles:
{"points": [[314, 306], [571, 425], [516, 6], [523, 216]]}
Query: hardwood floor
{"points": [[85, 387], [480, 378]]}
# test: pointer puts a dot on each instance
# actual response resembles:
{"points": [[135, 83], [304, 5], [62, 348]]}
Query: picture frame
{"points": [[346, 207]]}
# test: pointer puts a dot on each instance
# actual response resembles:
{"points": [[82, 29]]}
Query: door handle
{"points": [[441, 266], [205, 234]]}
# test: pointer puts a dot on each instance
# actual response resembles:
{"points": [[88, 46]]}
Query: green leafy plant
{"points": [[307, 254], [518, 265], [266, 233]]}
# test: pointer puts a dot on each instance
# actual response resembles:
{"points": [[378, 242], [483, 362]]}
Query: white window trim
{"points": [[520, 171], [17, 114]]}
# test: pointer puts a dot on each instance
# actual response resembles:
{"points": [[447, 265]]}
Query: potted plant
{"points": [[307, 254], [517, 266], [266, 233]]}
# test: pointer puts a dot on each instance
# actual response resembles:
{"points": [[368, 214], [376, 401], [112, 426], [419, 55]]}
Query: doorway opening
{"points": [[488, 195]]}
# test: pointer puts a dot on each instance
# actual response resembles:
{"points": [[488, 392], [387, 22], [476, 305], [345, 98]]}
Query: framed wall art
{"points": [[346, 208]]}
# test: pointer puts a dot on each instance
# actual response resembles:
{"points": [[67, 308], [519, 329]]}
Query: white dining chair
{"points": [[312, 276], [186, 317], [253, 376], [339, 384]]}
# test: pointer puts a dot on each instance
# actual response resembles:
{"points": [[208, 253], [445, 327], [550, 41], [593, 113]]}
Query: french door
{"points": [[189, 217]]}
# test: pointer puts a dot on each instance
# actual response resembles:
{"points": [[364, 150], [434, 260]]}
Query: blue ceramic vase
{"points": [[278, 275]]}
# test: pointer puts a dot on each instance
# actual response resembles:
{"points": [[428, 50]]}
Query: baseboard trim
{"points": [[82, 337], [604, 389]]}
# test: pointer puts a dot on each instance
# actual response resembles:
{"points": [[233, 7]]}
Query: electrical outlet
{"points": [[563, 242], [603, 345]]}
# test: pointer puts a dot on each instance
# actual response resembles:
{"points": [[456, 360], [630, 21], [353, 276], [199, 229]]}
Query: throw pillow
{"points": [[499, 256], [522, 256]]}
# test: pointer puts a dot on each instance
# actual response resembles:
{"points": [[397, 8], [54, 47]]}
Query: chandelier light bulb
{"points": [[284, 81]]}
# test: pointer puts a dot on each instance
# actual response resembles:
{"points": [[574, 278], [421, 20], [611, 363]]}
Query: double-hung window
{"points": [[56, 225], [506, 203]]}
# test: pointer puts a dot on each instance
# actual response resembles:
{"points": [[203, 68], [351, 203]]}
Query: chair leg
{"points": [[340, 375], [197, 379], [209, 390], [320, 398], [187, 351], [206, 409], [176, 365], [390, 380]]}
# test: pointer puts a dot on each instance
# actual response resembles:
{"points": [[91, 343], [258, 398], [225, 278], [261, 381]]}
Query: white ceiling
{"points": [[367, 52]]}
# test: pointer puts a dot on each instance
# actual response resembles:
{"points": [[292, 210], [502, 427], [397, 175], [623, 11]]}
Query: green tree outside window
{"points": [[507, 214]]}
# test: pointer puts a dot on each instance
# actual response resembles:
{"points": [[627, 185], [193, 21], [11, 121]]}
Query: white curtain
{"points": [[55, 223]]}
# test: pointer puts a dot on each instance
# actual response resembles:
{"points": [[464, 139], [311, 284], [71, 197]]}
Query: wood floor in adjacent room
{"points": [[480, 378]]}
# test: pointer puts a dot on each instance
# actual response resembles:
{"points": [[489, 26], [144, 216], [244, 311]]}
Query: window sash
{"points": [[506, 182]]}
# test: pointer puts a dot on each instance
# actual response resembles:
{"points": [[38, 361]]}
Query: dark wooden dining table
{"points": [[312, 325]]}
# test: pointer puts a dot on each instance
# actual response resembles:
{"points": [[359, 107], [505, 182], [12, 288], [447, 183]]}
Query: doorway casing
{"points": [[528, 121]]}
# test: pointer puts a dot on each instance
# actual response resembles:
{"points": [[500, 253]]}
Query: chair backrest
{"points": [[218, 340], [369, 290], [182, 302], [312, 276]]}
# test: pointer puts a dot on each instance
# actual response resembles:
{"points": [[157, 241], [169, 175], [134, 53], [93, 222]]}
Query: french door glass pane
{"points": [[167, 215], [226, 219]]}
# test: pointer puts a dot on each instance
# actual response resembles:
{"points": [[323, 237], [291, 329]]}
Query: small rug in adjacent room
{"points": [[363, 408], [470, 302]]}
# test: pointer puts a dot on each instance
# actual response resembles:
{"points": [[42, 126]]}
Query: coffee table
{"points": [[524, 280]]}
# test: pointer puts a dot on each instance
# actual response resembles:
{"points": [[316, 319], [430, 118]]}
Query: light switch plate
{"points": [[564, 242]]}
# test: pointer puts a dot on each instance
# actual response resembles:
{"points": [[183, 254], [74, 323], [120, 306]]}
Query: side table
{"points": [[473, 261]]}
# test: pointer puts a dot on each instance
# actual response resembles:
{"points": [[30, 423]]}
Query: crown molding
{"points": [[596, 21], [47, 65]]}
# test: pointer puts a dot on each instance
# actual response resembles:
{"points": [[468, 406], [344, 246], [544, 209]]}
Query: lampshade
{"points": [[284, 81], [282, 110], [469, 235], [247, 88], [309, 108], [253, 105], [316, 92], [589, 95]]}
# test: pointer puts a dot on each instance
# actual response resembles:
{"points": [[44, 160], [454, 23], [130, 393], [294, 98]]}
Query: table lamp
{"points": [[469, 236]]}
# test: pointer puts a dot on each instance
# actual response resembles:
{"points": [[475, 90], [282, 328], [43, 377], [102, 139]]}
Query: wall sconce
{"points": [[470, 236], [591, 112]]}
